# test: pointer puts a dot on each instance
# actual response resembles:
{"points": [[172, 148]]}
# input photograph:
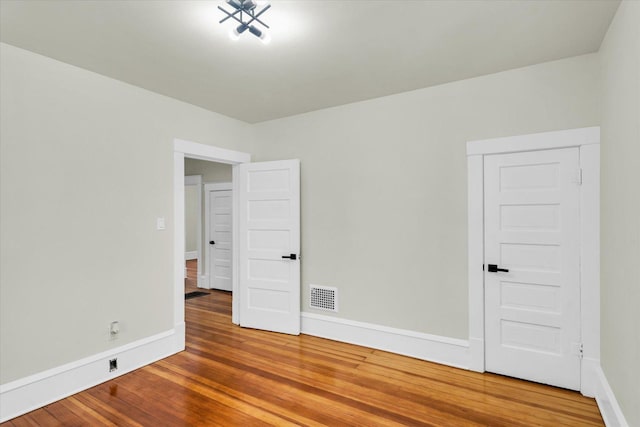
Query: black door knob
{"points": [[493, 268], [211, 242], [292, 256]]}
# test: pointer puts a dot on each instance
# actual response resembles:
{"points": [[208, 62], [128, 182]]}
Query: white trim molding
{"points": [[235, 242], [590, 264], [535, 141], [217, 186], [180, 269], [607, 402], [190, 255], [203, 281], [193, 180], [194, 150], [433, 348], [475, 259], [587, 140], [35, 391]]}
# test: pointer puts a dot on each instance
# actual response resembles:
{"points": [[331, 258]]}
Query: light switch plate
{"points": [[160, 224]]}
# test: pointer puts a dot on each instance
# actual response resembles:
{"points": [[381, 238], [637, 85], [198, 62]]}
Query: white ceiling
{"points": [[322, 54]]}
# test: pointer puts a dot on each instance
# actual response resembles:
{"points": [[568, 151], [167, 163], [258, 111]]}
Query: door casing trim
{"points": [[588, 142]]}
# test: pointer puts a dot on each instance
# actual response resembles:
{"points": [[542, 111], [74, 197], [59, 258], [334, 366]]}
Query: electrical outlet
{"points": [[113, 365]]}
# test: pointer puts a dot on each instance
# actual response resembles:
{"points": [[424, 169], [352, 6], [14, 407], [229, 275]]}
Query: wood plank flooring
{"points": [[230, 376]]}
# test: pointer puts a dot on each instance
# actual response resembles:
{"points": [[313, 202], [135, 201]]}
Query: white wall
{"points": [[191, 217], [384, 209], [620, 247], [210, 171], [79, 247]]}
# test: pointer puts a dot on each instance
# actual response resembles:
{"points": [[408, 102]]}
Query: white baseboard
{"points": [[190, 255], [476, 354], [589, 377], [203, 281], [35, 391], [433, 348], [607, 403]]}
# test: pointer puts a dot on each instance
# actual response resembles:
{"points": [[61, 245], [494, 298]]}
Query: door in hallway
{"points": [[220, 239], [532, 265]]}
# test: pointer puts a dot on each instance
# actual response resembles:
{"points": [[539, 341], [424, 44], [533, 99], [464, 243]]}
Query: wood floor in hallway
{"points": [[230, 376]]}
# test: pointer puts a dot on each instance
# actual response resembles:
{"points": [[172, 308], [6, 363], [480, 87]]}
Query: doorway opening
{"points": [[208, 223], [265, 209], [191, 150]]}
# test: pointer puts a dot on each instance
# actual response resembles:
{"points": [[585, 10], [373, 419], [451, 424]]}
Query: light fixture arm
{"points": [[255, 17], [230, 15], [248, 7]]}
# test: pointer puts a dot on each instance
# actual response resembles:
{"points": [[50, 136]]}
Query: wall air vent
{"points": [[323, 298]]}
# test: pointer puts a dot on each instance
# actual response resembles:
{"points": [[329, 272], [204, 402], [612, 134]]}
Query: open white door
{"points": [[269, 245]]}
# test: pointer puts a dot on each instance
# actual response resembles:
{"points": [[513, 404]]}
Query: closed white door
{"points": [[219, 239], [269, 245], [532, 266]]}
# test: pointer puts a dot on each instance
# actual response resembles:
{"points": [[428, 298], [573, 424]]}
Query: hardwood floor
{"points": [[230, 376]]}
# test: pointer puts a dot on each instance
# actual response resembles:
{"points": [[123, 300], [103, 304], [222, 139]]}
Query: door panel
{"points": [[269, 216], [532, 316], [220, 223]]}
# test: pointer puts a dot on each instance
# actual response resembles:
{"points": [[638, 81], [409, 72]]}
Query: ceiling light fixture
{"points": [[245, 13]]}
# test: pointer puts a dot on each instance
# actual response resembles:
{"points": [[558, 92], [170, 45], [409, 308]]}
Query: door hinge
{"points": [[578, 350], [581, 349], [579, 177]]}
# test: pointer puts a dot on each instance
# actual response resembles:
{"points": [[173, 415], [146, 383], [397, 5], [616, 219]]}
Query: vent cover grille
{"points": [[323, 298]]}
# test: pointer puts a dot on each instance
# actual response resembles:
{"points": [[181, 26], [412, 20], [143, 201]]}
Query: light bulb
{"points": [[235, 33], [255, 31], [265, 37], [249, 4]]}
